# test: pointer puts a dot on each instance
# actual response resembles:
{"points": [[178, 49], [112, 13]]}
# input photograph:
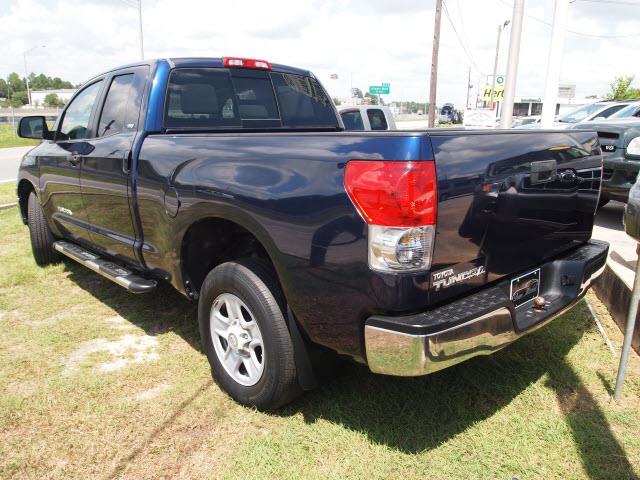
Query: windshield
{"points": [[632, 110], [580, 113]]}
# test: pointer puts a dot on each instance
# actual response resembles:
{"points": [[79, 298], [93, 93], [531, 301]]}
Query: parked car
{"points": [[620, 143], [448, 114], [367, 117], [232, 180], [585, 114]]}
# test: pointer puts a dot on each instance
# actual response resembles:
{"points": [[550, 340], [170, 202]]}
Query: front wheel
{"points": [[245, 336]]}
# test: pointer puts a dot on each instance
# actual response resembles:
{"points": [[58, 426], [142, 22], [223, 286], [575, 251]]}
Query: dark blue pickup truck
{"points": [[233, 180]]}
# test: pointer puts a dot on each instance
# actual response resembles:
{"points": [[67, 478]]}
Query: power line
{"points": [[572, 31], [466, 51]]}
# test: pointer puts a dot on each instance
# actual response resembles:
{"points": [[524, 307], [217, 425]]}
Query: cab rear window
{"points": [[203, 98]]}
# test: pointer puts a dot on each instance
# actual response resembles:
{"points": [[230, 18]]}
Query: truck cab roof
{"points": [[204, 62]]}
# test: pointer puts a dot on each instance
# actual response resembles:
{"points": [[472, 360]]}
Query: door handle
{"points": [[126, 163], [74, 160]]}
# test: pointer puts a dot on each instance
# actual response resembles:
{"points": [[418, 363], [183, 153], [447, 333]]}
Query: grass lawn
{"points": [[7, 192], [8, 138], [98, 383]]}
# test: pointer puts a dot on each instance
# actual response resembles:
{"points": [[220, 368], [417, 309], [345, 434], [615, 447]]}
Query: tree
{"points": [[373, 99], [336, 101], [53, 101], [16, 83], [18, 99], [4, 89], [621, 88]]}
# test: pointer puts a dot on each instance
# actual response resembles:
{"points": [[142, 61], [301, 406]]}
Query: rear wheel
{"points": [[41, 237], [245, 336]]}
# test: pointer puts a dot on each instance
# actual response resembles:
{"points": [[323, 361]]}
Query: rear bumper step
{"points": [[481, 323], [114, 272]]}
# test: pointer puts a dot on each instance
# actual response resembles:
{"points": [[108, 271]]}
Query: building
{"points": [[37, 96]]}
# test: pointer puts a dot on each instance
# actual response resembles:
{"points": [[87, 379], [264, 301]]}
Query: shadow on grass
{"points": [[602, 456], [163, 310], [415, 414]]}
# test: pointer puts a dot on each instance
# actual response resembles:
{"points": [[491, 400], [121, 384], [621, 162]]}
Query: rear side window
{"points": [[216, 97], [377, 119], [302, 102], [115, 106], [352, 120]]}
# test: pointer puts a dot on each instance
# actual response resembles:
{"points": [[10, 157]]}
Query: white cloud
{"points": [[364, 41]]}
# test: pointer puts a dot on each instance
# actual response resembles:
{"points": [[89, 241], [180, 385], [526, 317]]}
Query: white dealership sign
{"points": [[479, 118]]}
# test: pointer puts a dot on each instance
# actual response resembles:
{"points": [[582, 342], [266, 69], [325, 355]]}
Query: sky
{"points": [[364, 42]]}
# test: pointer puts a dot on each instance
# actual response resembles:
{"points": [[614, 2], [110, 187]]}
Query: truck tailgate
{"points": [[508, 201]]}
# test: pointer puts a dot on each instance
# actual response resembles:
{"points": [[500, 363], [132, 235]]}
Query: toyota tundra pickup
{"points": [[233, 180]]}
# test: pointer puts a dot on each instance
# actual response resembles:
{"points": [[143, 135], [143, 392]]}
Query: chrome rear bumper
{"points": [[392, 351]]}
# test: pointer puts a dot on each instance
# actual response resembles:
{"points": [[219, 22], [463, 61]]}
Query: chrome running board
{"points": [[114, 272]]}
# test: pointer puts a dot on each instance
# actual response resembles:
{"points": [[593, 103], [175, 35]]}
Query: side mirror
{"points": [[34, 127]]}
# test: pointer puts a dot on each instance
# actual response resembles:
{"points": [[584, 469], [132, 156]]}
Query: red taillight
{"points": [[235, 62], [393, 193]]}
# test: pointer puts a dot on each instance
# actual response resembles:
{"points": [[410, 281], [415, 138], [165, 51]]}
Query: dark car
{"points": [[620, 144]]}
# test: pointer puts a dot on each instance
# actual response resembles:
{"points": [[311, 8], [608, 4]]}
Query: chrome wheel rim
{"points": [[237, 339]]}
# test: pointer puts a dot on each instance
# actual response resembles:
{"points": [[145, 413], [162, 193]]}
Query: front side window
{"points": [[76, 117], [352, 120], [114, 111], [377, 119]]}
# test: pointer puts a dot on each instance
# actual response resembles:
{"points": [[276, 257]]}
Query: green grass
{"points": [[77, 400], [9, 138], [7, 193]]}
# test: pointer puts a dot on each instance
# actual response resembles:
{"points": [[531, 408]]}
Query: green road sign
{"points": [[379, 89]]}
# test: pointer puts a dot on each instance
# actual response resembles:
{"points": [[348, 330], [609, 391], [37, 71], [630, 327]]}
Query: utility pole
{"points": [[560, 14], [512, 64], [140, 29], [501, 28], [434, 65], [466, 105]]}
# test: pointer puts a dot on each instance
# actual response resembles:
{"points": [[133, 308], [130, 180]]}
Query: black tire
{"points": [[254, 283], [41, 237]]}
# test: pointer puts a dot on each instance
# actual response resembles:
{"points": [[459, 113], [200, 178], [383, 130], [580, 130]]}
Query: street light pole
{"points": [[554, 65], [26, 70], [140, 29], [501, 28], [512, 65], [434, 65]]}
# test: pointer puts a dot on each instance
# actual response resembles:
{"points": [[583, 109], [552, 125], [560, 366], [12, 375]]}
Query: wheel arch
{"points": [[214, 239], [25, 187]]}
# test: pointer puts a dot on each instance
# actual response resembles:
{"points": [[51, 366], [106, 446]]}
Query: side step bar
{"points": [[114, 272]]}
